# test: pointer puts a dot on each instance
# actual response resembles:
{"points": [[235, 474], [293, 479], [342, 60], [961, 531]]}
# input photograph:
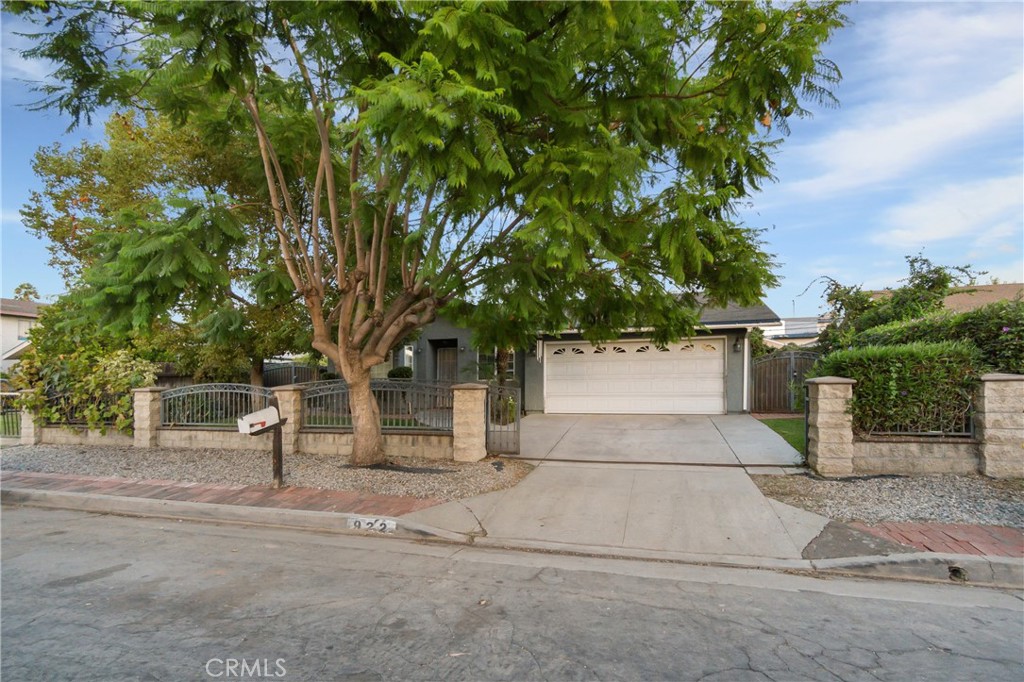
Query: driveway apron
{"points": [[636, 483]]}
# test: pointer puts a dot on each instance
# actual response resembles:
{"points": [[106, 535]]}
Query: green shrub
{"points": [[89, 387], [916, 387], [996, 329], [400, 373]]}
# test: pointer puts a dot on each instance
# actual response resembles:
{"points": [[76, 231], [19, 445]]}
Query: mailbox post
{"points": [[262, 421]]}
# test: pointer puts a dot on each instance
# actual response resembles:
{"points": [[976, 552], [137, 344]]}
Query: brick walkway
{"points": [[289, 497], [951, 538]]}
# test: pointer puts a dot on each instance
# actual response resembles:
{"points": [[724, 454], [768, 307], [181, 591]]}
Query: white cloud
{"points": [[10, 217], [988, 211], [13, 66], [930, 82], [894, 138]]}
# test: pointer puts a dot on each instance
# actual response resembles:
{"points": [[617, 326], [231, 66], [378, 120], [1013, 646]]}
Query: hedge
{"points": [[400, 373], [996, 329], [914, 388]]}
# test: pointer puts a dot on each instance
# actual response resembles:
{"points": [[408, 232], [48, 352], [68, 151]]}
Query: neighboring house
{"points": [[16, 318], [795, 331], [965, 299], [563, 374]]}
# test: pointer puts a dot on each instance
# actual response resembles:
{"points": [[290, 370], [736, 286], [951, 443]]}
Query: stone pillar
{"points": [[469, 422], [999, 425], [289, 402], [830, 426], [31, 433], [147, 416]]}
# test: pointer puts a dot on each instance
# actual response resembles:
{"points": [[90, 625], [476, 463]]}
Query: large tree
{"points": [[108, 210], [554, 162]]}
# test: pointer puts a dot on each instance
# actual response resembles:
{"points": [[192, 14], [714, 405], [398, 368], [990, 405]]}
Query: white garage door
{"points": [[635, 377]]}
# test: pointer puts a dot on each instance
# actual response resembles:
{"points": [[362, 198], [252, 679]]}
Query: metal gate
{"points": [[504, 405], [777, 380]]}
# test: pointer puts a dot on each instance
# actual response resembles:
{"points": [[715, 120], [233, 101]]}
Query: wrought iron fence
{"points": [[284, 375], [10, 416], [504, 407], [931, 422], [211, 405], [404, 405]]}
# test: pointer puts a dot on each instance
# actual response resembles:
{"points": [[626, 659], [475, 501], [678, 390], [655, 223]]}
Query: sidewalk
{"points": [[678, 513]]}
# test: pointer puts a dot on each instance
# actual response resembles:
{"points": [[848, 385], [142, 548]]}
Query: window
{"points": [[486, 364], [409, 357]]}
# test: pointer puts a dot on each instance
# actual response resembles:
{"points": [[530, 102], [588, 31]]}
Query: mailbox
{"points": [[259, 421]]}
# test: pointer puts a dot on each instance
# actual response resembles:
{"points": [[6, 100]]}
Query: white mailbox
{"points": [[259, 421]]}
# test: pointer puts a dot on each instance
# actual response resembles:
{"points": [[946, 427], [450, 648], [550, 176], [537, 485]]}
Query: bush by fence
{"points": [[996, 329], [88, 387], [919, 388]]}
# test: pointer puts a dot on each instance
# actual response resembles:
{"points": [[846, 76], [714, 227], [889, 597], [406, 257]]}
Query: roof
{"points": [[972, 298], [964, 299], [737, 315], [16, 307]]}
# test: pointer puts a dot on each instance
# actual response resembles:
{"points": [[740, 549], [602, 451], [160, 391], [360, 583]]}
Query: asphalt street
{"points": [[91, 597]]}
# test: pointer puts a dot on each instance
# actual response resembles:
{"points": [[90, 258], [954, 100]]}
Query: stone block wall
{"points": [[427, 446], [64, 435], [997, 450], [468, 442], [999, 424]]}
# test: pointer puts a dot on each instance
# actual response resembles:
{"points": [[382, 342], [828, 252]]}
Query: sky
{"points": [[924, 154]]}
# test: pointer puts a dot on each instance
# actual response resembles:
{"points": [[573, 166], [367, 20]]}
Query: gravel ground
{"points": [[444, 480], [875, 499]]}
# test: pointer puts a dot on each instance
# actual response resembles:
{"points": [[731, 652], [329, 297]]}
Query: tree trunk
{"points": [[367, 441], [501, 358], [256, 373]]}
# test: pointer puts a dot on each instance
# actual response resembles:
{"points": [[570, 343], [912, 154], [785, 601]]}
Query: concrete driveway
{"points": [[612, 484], [731, 439]]}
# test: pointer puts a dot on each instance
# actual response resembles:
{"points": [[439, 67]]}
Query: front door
{"points": [[447, 365]]}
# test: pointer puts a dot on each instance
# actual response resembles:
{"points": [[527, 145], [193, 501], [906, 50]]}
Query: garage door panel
{"points": [[686, 378]]}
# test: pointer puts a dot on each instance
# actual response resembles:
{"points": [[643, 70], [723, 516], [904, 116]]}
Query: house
{"points": [[795, 331], [17, 316], [964, 299], [564, 374]]}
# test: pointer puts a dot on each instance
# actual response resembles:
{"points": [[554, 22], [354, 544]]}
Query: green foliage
{"points": [[87, 387], [400, 373], [918, 387], [792, 430], [854, 310], [758, 346], [26, 292], [141, 220], [997, 330]]}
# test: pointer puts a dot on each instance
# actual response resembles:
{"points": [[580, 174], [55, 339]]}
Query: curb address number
{"points": [[373, 524]]}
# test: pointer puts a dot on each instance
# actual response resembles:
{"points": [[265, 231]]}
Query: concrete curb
{"points": [[335, 522], [967, 569], [995, 572]]}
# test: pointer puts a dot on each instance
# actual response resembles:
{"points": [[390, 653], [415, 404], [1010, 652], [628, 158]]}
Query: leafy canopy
{"points": [[558, 163]]}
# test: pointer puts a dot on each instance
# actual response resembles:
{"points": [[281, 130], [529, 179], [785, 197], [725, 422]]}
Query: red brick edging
{"points": [[288, 497], [951, 538]]}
